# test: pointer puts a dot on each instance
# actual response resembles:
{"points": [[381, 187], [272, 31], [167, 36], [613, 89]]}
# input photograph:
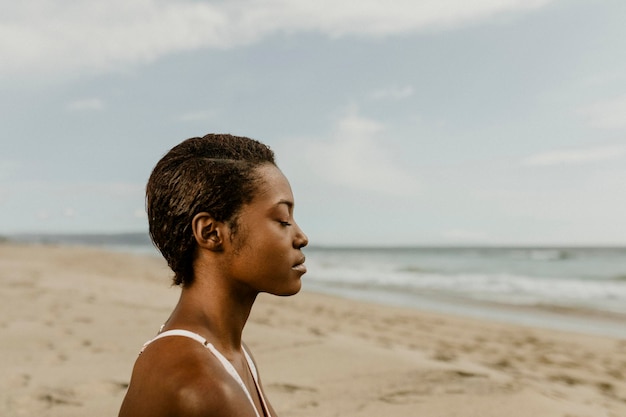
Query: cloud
{"points": [[106, 190], [42, 215], [69, 212], [576, 156], [140, 213], [355, 157], [196, 116], [607, 114], [43, 36], [111, 190], [53, 206], [465, 236], [394, 93], [85, 104], [8, 168]]}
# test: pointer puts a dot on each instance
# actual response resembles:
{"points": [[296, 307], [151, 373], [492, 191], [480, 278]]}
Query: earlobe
{"points": [[207, 232]]}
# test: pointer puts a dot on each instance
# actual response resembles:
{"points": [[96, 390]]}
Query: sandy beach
{"points": [[74, 319]]}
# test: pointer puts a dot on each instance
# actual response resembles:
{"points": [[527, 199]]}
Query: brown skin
{"points": [[177, 376]]}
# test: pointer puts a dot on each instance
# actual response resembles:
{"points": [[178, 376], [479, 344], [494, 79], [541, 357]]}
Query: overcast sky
{"points": [[397, 121]]}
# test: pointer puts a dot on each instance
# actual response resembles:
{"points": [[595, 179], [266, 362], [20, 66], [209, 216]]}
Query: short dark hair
{"points": [[214, 173]]}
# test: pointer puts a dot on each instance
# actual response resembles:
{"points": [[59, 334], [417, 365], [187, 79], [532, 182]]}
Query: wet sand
{"points": [[73, 319]]}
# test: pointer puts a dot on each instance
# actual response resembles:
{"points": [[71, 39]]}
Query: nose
{"points": [[300, 240]]}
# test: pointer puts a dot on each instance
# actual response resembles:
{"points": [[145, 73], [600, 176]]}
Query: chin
{"points": [[286, 292]]}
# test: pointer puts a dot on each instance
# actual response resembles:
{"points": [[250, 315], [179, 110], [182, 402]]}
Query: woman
{"points": [[221, 213]]}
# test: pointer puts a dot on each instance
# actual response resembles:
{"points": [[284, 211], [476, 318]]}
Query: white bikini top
{"points": [[227, 365]]}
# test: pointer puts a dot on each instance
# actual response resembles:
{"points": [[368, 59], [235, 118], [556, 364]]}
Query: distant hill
{"points": [[91, 239]]}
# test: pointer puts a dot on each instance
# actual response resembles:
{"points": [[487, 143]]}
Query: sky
{"points": [[397, 122]]}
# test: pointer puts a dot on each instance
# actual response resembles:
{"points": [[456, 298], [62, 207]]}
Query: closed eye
{"points": [[283, 223]]}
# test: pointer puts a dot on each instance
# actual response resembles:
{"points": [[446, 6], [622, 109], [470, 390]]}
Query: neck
{"points": [[215, 310]]}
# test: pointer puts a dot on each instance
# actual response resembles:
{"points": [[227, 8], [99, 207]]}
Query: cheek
{"points": [[239, 239]]}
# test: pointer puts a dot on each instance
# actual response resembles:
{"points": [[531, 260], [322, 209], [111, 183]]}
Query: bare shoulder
{"points": [[179, 377]]}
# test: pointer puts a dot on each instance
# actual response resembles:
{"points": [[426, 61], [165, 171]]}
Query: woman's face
{"points": [[265, 253]]}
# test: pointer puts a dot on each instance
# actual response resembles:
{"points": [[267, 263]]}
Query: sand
{"points": [[73, 319]]}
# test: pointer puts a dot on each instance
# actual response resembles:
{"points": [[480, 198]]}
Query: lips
{"points": [[300, 266]]}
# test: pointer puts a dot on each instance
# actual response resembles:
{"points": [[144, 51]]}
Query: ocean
{"points": [[586, 278], [576, 289]]}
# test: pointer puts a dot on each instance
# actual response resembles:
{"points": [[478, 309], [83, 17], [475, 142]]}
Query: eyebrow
{"points": [[288, 203]]}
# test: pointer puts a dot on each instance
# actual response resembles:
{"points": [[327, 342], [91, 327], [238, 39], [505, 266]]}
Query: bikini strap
{"points": [[225, 362], [177, 332]]}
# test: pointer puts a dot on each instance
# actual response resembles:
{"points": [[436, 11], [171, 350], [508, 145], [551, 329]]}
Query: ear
{"points": [[207, 231]]}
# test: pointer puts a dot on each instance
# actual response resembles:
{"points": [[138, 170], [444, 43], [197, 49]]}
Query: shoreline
{"points": [[569, 319], [74, 319]]}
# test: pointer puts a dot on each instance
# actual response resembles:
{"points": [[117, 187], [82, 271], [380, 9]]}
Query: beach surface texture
{"points": [[73, 320]]}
